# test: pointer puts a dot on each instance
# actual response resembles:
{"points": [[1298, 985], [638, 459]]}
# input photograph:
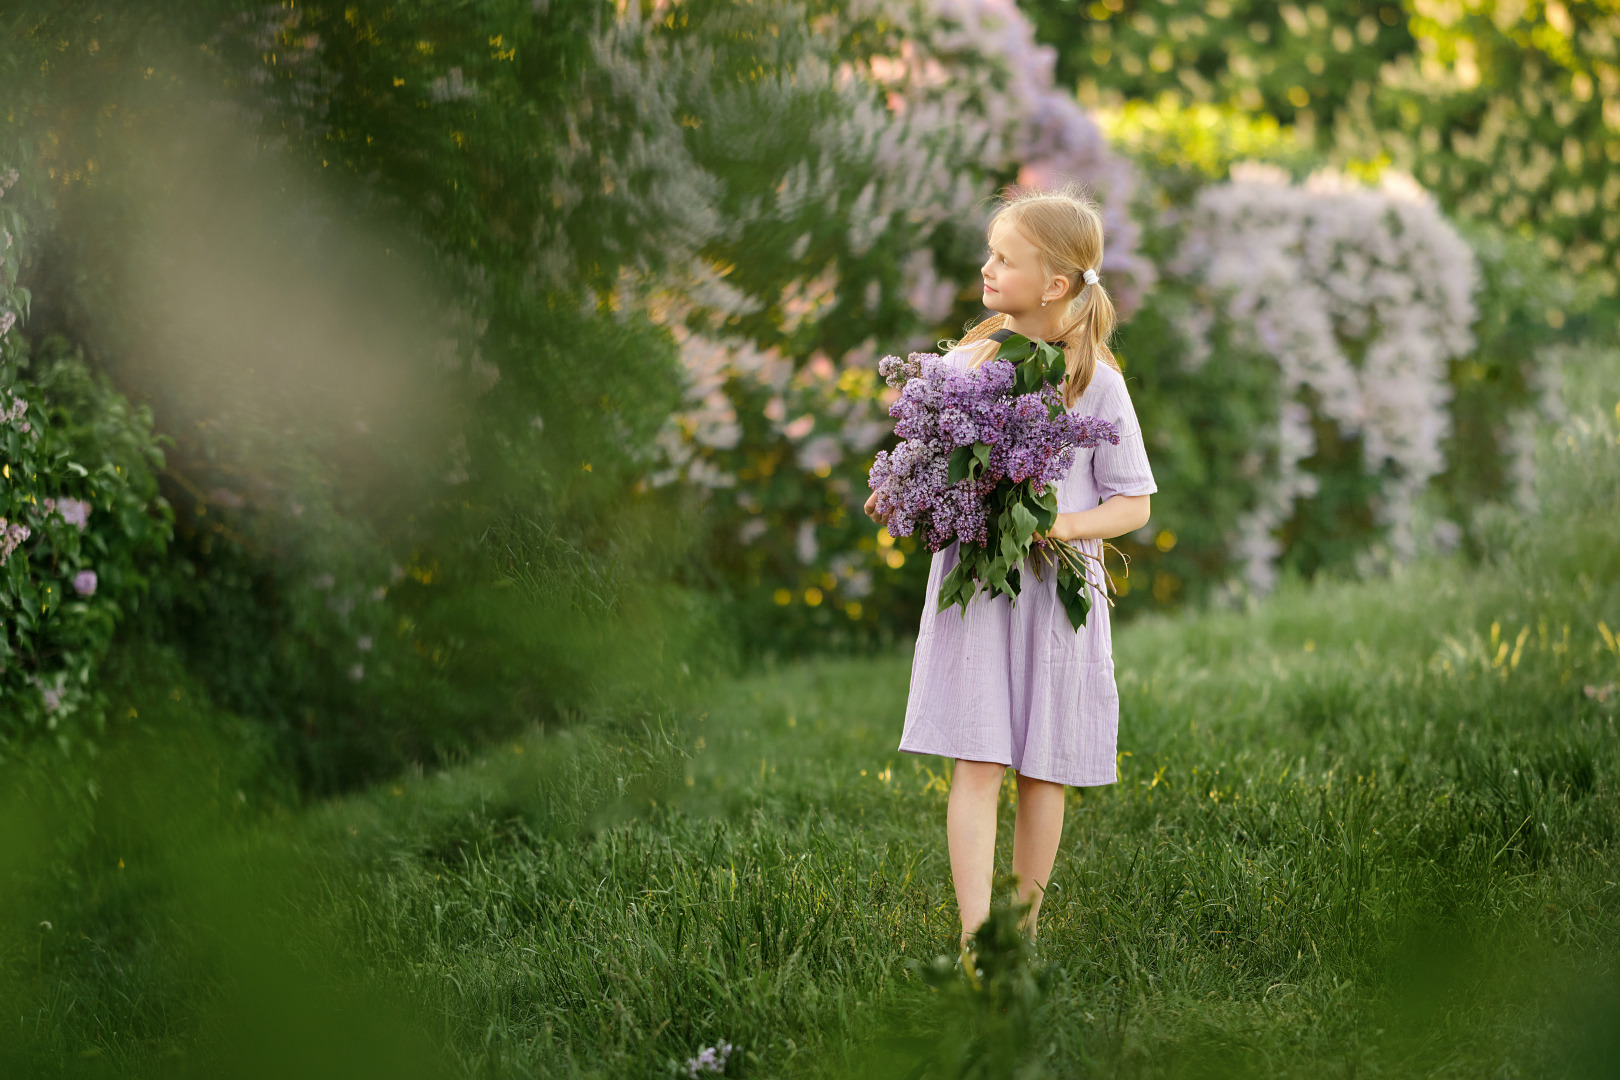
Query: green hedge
{"points": [[86, 529]]}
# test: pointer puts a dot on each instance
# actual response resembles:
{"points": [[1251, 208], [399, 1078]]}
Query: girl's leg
{"points": [[1036, 833], [970, 827]]}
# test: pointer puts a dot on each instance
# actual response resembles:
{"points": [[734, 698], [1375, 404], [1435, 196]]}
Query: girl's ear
{"points": [[1061, 283]]}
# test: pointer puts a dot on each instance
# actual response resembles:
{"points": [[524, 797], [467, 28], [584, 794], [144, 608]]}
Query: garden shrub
{"points": [[85, 529]]}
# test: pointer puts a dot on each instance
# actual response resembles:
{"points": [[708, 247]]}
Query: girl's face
{"points": [[1013, 280]]}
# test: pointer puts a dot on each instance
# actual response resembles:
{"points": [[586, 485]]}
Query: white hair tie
{"points": [[1091, 277]]}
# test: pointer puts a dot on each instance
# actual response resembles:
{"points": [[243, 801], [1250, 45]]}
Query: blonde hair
{"points": [[1065, 226]]}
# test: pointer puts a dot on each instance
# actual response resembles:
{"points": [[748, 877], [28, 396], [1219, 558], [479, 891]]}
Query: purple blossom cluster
{"points": [[13, 414], [52, 696], [711, 1059], [73, 511], [942, 408], [12, 533]]}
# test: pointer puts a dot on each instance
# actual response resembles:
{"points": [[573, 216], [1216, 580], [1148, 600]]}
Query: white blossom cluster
{"points": [[1361, 296], [824, 409]]}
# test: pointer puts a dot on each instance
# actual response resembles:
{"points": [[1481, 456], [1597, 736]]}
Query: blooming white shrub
{"points": [[1361, 296]]}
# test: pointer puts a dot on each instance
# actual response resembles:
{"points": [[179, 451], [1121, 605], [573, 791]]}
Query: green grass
{"points": [[1364, 829]]}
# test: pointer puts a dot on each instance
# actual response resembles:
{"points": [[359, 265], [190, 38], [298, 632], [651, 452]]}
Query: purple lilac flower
{"points": [[941, 408], [53, 698], [74, 512], [710, 1059], [11, 534], [84, 583], [897, 372]]}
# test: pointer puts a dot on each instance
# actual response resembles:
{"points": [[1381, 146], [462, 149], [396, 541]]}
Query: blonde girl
{"points": [[1014, 684]]}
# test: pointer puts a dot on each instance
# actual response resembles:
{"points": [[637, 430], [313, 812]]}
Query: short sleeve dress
{"points": [[1013, 681]]}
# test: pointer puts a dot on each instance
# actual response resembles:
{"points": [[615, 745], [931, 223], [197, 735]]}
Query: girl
{"points": [[1015, 684]]}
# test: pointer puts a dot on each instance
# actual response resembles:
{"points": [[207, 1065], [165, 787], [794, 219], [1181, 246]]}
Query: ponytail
{"points": [[1085, 339]]}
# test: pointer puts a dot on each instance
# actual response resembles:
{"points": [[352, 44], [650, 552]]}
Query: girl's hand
{"points": [[872, 511], [1064, 528]]}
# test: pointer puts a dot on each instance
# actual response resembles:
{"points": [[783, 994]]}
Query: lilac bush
{"points": [[82, 525], [1361, 296]]}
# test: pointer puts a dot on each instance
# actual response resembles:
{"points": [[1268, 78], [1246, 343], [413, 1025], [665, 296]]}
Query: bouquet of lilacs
{"points": [[982, 454]]}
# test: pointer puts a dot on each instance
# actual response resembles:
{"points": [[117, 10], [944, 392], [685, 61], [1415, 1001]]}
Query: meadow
{"points": [[1363, 828]]}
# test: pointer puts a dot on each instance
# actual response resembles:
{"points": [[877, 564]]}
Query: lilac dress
{"points": [[1014, 682]]}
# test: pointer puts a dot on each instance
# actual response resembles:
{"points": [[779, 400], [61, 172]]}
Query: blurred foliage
{"points": [[82, 525], [1509, 112], [352, 561], [1300, 63]]}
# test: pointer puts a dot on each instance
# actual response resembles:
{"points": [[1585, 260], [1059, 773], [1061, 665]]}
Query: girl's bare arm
{"points": [[1114, 516]]}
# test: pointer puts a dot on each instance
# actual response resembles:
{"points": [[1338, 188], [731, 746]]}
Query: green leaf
{"points": [[952, 586], [1076, 600], [1011, 549], [956, 465], [1044, 511], [996, 573], [1015, 347], [1024, 523]]}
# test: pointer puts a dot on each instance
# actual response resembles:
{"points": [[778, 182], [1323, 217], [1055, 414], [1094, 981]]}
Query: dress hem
{"points": [[1049, 779]]}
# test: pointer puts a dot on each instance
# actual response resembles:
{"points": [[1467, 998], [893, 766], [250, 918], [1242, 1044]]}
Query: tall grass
{"points": [[1366, 828]]}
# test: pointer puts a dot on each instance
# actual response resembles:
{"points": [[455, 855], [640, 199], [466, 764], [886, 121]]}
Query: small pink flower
{"points": [[84, 583], [711, 1059], [11, 535]]}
